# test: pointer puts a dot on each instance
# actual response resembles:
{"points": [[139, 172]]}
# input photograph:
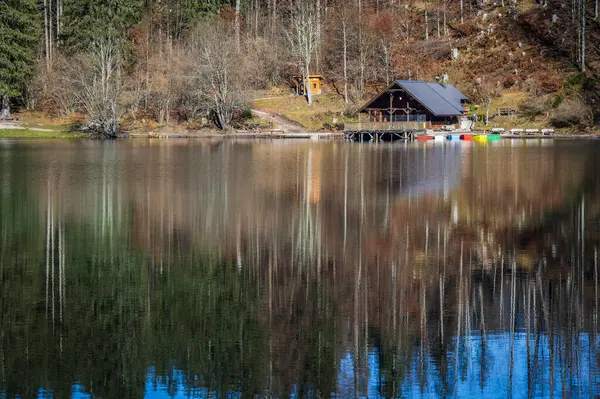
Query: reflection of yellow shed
{"points": [[315, 84], [313, 176]]}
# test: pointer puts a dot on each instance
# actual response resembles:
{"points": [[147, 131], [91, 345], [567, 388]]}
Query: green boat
{"points": [[493, 137]]}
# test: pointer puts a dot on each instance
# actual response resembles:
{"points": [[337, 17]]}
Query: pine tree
{"points": [[19, 35], [176, 17], [87, 21]]}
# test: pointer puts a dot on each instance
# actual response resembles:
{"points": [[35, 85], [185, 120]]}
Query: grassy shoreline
{"points": [[39, 134]]}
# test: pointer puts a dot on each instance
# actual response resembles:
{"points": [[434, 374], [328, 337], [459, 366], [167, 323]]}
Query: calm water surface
{"points": [[193, 269]]}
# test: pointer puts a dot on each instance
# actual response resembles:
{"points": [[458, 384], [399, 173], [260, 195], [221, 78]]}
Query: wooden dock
{"points": [[383, 131]]}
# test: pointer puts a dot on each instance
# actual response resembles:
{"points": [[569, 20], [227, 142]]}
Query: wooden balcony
{"points": [[383, 126]]}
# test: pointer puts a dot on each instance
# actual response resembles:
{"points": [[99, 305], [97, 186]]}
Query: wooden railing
{"points": [[506, 112], [383, 126]]}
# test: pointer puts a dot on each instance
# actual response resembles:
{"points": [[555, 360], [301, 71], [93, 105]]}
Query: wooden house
{"points": [[429, 105], [315, 81]]}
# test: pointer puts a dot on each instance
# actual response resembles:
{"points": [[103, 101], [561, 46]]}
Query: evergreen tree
{"points": [[19, 34], [86, 21], [176, 17]]}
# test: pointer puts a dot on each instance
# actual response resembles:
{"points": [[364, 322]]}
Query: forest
{"points": [[171, 61]]}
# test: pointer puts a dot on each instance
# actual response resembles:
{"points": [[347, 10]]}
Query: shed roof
{"points": [[440, 98]]}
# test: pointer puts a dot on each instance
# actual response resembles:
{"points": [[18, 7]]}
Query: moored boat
{"points": [[480, 138], [424, 137], [493, 137], [453, 137], [466, 137]]}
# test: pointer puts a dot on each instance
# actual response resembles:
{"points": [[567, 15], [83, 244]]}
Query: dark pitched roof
{"points": [[439, 98]]}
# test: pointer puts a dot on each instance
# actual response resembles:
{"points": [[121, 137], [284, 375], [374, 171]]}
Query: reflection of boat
{"points": [[466, 137], [480, 138], [424, 137]]}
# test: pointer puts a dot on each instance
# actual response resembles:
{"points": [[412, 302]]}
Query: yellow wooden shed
{"points": [[316, 84]]}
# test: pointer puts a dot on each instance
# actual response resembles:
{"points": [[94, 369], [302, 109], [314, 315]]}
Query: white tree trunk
{"points": [[46, 35], [582, 35], [273, 18], [345, 49], [5, 110], [445, 24], [426, 27], [237, 23], [307, 86], [50, 31], [318, 36], [361, 51], [58, 18]]}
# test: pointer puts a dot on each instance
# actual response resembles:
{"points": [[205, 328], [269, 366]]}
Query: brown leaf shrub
{"points": [[533, 107], [572, 113]]}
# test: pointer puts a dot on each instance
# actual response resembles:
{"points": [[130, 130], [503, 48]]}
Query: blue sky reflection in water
{"points": [[199, 269]]}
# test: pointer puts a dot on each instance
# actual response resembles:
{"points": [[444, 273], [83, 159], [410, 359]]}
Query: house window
{"points": [[314, 85]]}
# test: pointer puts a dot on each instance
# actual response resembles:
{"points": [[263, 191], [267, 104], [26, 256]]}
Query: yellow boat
{"points": [[480, 138]]}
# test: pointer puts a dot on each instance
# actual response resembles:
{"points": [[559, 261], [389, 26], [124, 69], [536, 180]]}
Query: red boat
{"points": [[466, 137], [424, 138]]}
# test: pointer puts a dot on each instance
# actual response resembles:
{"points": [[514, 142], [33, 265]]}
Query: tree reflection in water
{"points": [[240, 269]]}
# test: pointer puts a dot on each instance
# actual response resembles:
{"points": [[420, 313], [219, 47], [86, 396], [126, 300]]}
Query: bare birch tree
{"points": [[98, 87], [303, 37], [344, 22], [484, 93], [582, 21], [237, 23], [218, 72]]}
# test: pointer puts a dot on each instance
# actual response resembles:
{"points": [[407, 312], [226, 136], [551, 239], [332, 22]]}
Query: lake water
{"points": [[205, 269]]}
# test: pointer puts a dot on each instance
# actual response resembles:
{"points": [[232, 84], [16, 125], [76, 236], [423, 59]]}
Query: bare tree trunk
{"points": [[307, 85], [426, 26], [5, 110], [58, 18], [445, 24], [273, 18], [345, 49], [256, 14], [50, 31], [318, 36], [46, 35], [582, 35], [237, 23], [147, 74], [361, 50], [387, 61], [461, 12], [407, 25]]}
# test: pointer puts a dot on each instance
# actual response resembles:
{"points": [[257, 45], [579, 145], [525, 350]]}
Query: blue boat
{"points": [[453, 137]]}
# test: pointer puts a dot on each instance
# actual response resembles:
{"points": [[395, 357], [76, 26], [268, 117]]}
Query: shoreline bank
{"points": [[25, 133], [240, 135]]}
